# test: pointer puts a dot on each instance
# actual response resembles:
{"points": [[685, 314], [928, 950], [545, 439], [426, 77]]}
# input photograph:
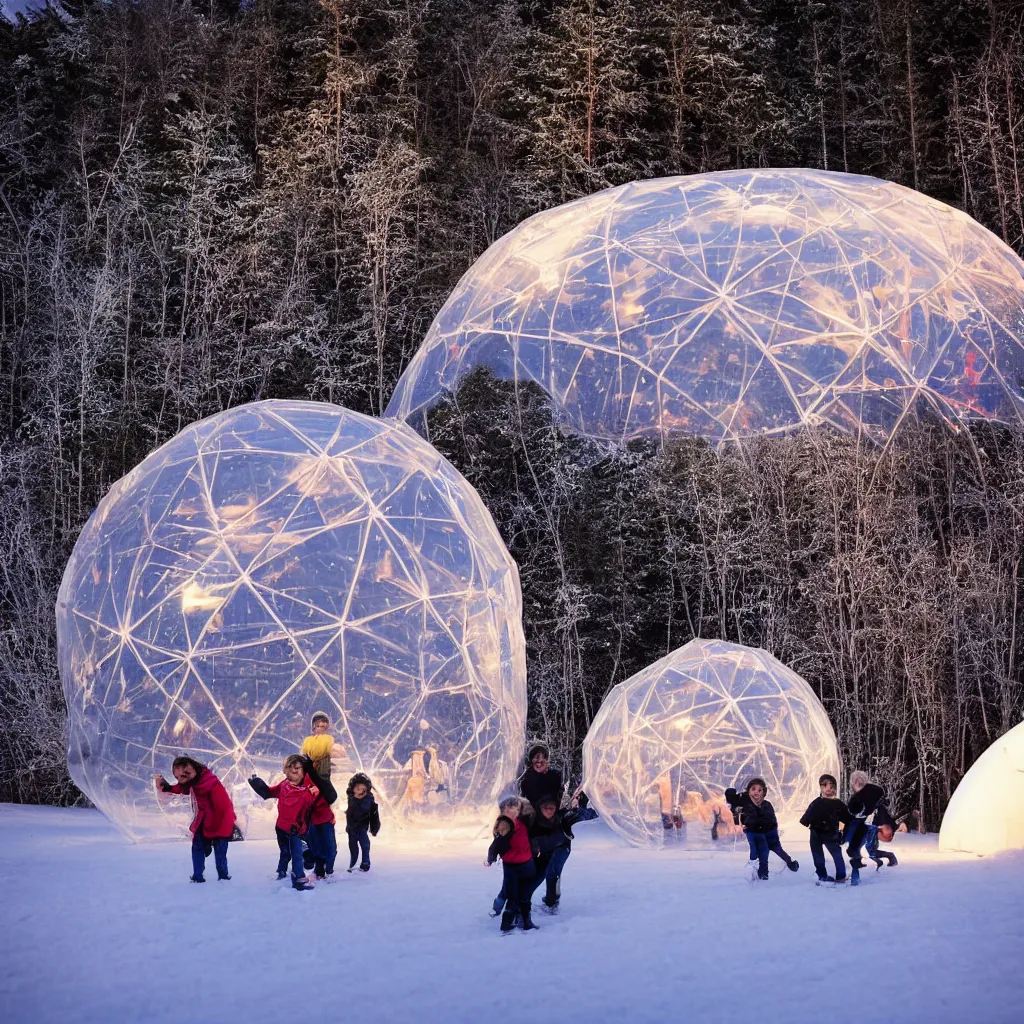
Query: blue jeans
{"points": [[199, 855], [358, 841], [819, 844], [856, 833], [760, 843], [549, 870], [291, 850], [324, 844]]}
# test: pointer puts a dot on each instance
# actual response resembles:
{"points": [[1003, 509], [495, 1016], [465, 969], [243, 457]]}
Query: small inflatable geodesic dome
{"points": [[668, 742], [986, 813], [272, 561], [739, 303]]}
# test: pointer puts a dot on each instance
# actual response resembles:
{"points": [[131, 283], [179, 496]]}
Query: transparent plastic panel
{"points": [[740, 303], [667, 743], [276, 560]]}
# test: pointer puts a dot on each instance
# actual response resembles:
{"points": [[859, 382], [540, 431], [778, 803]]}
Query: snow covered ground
{"points": [[95, 929]]}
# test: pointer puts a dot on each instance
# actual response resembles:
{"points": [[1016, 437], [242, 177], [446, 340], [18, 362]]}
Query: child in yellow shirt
{"points": [[318, 746]]}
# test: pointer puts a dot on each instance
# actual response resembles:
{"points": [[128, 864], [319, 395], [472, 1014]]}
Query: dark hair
{"points": [[359, 779], [828, 778], [320, 716], [191, 762], [547, 798], [758, 781], [538, 748]]}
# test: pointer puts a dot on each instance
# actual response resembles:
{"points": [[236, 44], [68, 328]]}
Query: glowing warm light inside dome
{"points": [[668, 742], [276, 560], [986, 812], [739, 303]]}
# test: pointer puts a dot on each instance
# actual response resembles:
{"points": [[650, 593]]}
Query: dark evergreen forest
{"points": [[206, 204]]}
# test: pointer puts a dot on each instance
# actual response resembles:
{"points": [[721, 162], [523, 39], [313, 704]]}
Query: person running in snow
{"points": [[540, 779], [882, 826], [213, 819], [823, 817], [295, 794], [760, 825], [865, 800], [319, 745], [362, 819], [551, 841], [512, 845]]}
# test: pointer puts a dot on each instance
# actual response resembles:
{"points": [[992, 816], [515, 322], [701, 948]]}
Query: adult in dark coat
{"points": [[540, 779]]}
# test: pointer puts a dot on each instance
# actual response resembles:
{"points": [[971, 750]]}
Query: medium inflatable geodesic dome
{"points": [[276, 560], [668, 742], [986, 812], [739, 303]]}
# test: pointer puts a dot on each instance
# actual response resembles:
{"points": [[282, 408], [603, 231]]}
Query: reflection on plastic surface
{"points": [[279, 559], [740, 303], [668, 742]]}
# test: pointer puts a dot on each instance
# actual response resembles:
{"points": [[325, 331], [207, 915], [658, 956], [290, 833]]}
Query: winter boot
{"points": [[302, 884], [508, 921], [762, 875], [524, 917], [890, 857], [854, 875], [282, 873], [192, 878], [793, 865], [364, 867], [308, 860], [223, 878]]}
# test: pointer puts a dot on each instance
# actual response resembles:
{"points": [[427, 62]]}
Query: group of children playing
{"points": [[532, 834], [305, 821], [533, 837], [831, 822]]}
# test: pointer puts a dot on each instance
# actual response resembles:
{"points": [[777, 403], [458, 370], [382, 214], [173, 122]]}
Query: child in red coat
{"points": [[512, 845], [213, 820], [296, 796]]}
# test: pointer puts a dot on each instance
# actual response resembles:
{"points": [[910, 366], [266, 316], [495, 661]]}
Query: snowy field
{"points": [[95, 929]]}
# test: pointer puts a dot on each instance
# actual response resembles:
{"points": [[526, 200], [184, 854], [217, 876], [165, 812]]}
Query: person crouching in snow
{"points": [[823, 817], [361, 817], [512, 844], [213, 820], [295, 794], [760, 825], [551, 840]]}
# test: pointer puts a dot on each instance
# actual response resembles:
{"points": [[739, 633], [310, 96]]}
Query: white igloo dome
{"points": [[276, 560], [668, 742], [986, 813], [739, 303]]}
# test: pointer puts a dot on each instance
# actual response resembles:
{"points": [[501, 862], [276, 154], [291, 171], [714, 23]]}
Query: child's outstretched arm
{"points": [[500, 845], [260, 788], [165, 787], [327, 790]]}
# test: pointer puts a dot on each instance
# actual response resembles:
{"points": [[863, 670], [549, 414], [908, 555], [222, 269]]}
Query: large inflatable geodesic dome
{"points": [[739, 303], [668, 742], [276, 560], [986, 812]]}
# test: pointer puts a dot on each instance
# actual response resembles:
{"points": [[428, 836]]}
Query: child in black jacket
{"points": [[551, 841], [864, 802], [823, 818], [760, 825], [362, 816]]}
